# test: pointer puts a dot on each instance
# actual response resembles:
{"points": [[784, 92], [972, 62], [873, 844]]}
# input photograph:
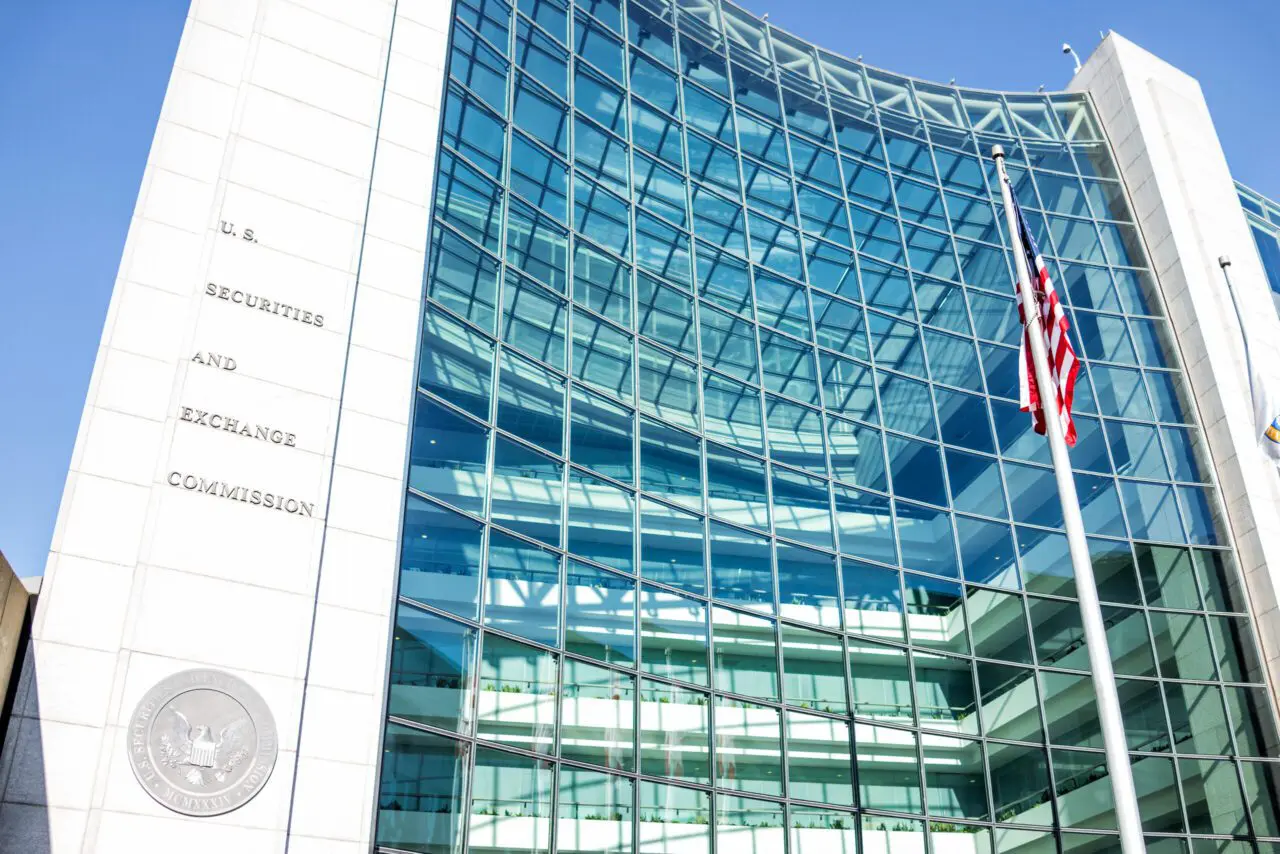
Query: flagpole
{"points": [[1224, 262], [1095, 633]]}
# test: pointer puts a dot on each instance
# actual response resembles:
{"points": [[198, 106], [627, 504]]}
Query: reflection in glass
{"points": [[517, 704], [748, 747], [597, 711], [420, 797], [510, 803], [432, 665], [600, 614], [675, 732], [594, 812], [440, 558]]}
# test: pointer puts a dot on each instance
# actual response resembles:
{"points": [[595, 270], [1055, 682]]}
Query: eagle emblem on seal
{"points": [[200, 758]]}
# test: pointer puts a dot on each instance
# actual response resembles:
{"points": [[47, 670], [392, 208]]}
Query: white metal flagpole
{"points": [[1095, 634]]}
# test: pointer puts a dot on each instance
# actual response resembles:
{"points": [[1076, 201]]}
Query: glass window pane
{"points": [[935, 613], [510, 803], [732, 413], [736, 487], [814, 667], [672, 547], [820, 766], [801, 508], [945, 695], [456, 363], [673, 635], [432, 665], [527, 492], [600, 614], [1019, 784], [1008, 702], [531, 403], [865, 524], [602, 356], [1212, 792], [746, 653], [522, 589], [881, 680], [1252, 720], [926, 539], [517, 694], [873, 602], [597, 714], [822, 831], [668, 387], [955, 776], [601, 521], [440, 558], [888, 770], [1070, 711], [857, 454], [674, 818], [987, 553], [601, 434], [671, 463], [1084, 790], [1238, 659], [741, 568], [807, 586], [1182, 645], [748, 747], [420, 796], [916, 469], [1262, 786], [999, 625], [675, 732], [595, 811], [447, 456], [462, 278]]}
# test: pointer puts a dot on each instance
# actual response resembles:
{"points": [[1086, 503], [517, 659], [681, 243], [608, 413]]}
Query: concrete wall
{"points": [[313, 123], [1186, 204], [15, 601]]}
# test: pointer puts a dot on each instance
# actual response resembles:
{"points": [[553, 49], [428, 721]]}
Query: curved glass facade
{"points": [[724, 532], [1264, 222]]}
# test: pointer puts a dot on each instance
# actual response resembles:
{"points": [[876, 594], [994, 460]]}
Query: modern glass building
{"points": [[671, 489], [723, 528], [1264, 220]]}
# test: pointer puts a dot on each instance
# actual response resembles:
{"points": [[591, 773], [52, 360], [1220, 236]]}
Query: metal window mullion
{"points": [[760, 400], [704, 503], [924, 780], [490, 457], [637, 516], [832, 518]]}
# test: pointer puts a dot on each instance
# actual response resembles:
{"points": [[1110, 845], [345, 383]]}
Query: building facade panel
{"points": [[635, 386]]}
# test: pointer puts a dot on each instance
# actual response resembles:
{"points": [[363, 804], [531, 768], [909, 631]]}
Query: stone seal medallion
{"points": [[202, 742]]}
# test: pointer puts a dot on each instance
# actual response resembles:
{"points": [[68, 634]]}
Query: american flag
{"points": [[1062, 359]]}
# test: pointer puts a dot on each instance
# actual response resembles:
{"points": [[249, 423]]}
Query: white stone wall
{"points": [[313, 123], [1186, 203]]}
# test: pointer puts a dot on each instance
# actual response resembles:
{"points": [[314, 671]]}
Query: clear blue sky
{"points": [[83, 82]]}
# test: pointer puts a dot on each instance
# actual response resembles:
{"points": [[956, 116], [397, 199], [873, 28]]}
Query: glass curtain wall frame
{"points": [[1263, 216], [720, 528]]}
